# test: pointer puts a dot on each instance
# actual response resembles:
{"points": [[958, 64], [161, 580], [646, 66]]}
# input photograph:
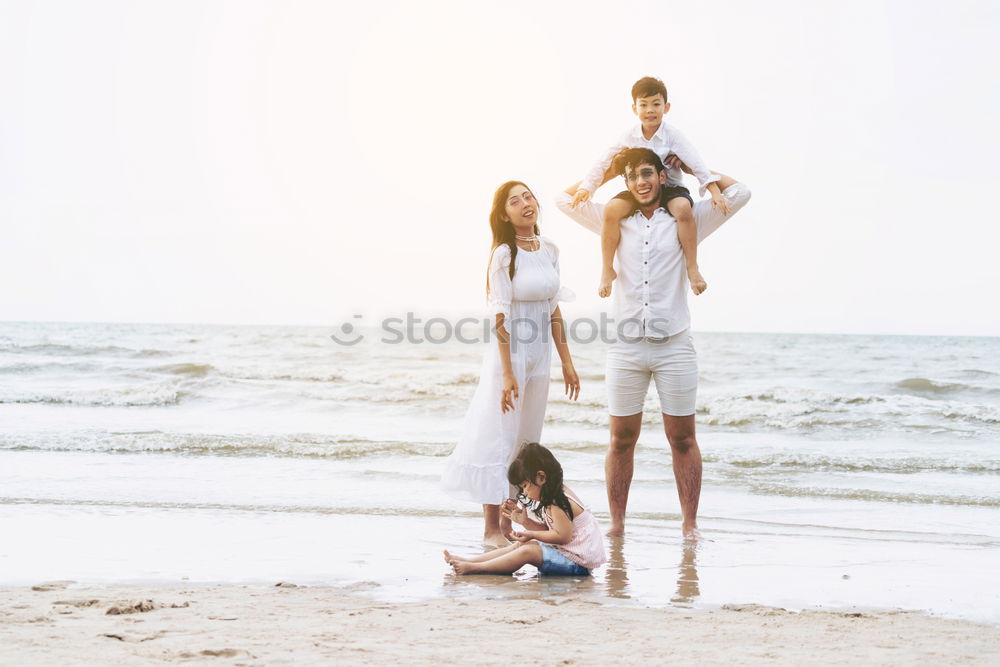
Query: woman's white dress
{"points": [[477, 469]]}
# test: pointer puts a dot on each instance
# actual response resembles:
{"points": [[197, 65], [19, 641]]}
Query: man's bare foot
{"points": [[615, 531], [698, 284], [691, 532], [608, 276], [495, 540]]}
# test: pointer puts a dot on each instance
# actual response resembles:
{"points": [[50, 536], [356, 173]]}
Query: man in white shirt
{"points": [[652, 338]]}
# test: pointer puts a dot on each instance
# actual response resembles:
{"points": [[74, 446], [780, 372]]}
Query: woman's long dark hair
{"points": [[532, 458], [503, 231]]}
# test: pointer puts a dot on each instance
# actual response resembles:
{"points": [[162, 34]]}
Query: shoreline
{"points": [[63, 622]]}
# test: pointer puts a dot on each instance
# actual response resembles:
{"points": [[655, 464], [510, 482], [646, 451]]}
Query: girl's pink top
{"points": [[587, 546]]}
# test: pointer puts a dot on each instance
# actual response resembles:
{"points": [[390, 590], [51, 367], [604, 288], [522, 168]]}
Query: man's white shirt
{"points": [[667, 140], [650, 293]]}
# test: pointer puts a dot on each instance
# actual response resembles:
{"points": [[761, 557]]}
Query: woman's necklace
{"points": [[530, 240]]}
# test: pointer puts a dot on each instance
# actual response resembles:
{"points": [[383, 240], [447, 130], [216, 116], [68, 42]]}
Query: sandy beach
{"points": [[198, 466], [63, 623]]}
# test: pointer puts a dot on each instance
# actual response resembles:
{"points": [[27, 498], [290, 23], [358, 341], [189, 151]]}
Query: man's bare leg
{"points": [[687, 468], [492, 533], [618, 465]]}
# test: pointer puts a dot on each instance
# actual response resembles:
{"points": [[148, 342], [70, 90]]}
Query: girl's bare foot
{"points": [[461, 567]]}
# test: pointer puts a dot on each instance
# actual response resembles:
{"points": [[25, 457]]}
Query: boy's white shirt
{"points": [[667, 139]]}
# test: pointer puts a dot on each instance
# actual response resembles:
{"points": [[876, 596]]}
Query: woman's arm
{"points": [[501, 293], [570, 378], [509, 391]]}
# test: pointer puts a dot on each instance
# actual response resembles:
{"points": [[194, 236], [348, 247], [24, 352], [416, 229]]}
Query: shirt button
{"points": [[645, 262], [647, 242], [646, 282], [646, 304]]}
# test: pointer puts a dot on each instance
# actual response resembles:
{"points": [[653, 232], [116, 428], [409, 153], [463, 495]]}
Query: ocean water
{"points": [[840, 471]]}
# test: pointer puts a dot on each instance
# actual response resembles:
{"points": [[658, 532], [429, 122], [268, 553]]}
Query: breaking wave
{"points": [[200, 444]]}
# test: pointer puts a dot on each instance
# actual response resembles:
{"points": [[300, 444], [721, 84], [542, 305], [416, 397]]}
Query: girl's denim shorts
{"points": [[556, 562]]}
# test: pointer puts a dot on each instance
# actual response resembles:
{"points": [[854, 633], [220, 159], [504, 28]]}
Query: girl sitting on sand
{"points": [[570, 541]]}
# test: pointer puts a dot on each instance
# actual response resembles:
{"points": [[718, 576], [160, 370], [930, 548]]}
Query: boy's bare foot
{"points": [[698, 284], [608, 276], [495, 540]]}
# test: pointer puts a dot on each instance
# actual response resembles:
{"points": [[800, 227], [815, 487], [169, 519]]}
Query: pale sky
{"points": [[300, 162]]}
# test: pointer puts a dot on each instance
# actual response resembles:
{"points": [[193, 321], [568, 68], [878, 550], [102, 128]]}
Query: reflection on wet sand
{"points": [[687, 576], [609, 582], [616, 575], [617, 581]]}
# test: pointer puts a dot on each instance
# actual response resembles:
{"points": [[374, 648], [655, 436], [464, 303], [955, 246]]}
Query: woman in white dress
{"points": [[508, 408]]}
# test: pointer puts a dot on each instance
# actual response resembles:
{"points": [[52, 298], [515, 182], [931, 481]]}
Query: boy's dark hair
{"points": [[532, 458], [633, 157], [648, 86]]}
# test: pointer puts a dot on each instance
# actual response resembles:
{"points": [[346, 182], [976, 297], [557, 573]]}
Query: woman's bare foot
{"points": [[495, 540]]}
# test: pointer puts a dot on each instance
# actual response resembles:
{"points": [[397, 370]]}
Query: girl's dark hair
{"points": [[532, 458], [503, 231]]}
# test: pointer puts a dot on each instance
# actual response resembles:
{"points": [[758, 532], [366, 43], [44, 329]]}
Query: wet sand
{"points": [[65, 623]]}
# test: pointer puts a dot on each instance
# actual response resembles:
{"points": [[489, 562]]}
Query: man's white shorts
{"points": [[672, 364]]}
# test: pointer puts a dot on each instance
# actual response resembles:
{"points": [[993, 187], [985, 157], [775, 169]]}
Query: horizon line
{"points": [[373, 326]]}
